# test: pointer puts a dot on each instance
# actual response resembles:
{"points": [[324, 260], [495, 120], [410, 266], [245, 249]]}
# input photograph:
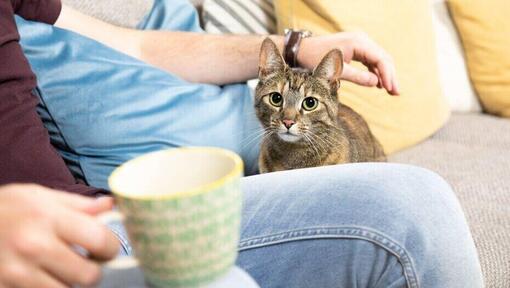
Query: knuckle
{"points": [[89, 275], [30, 245]]}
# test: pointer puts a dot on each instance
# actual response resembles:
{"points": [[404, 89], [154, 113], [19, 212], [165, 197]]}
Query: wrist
{"points": [[279, 41]]}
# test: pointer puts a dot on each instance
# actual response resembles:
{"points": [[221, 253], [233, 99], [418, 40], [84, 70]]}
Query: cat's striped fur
{"points": [[332, 133]]}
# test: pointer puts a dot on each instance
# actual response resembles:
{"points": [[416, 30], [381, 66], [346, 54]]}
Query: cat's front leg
{"points": [[267, 164], [264, 165]]}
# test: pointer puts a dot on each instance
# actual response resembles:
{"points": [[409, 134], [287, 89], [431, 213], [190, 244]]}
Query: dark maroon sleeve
{"points": [[26, 154], [46, 11]]}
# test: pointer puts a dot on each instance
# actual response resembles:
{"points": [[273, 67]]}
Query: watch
{"points": [[291, 45]]}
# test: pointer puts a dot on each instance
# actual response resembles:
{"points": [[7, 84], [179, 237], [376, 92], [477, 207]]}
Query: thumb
{"points": [[360, 77]]}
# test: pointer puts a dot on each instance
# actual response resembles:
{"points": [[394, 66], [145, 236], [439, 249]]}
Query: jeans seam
{"points": [[350, 232]]}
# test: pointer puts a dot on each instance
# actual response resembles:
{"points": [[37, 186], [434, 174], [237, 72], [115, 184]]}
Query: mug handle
{"points": [[122, 262]]}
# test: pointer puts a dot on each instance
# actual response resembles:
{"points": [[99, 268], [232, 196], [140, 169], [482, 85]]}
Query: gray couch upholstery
{"points": [[472, 152]]}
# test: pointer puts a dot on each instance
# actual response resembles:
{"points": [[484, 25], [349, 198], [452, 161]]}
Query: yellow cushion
{"points": [[404, 28], [484, 27]]}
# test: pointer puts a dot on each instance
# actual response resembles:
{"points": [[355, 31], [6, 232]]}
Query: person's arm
{"points": [[223, 59], [39, 227], [26, 153], [45, 11], [197, 57]]}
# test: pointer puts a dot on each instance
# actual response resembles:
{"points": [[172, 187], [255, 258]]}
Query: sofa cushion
{"points": [[484, 27], [239, 17], [473, 153], [125, 13]]}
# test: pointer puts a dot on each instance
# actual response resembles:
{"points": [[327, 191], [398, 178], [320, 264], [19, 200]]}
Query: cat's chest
{"points": [[292, 157]]}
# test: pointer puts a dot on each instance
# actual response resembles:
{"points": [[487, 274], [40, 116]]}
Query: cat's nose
{"points": [[288, 123]]}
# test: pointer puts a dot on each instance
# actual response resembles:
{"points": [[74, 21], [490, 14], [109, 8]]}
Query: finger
{"points": [[101, 204], [70, 267], [19, 273], [85, 231], [88, 205], [385, 74], [395, 84], [42, 279], [376, 72], [360, 77], [370, 54]]}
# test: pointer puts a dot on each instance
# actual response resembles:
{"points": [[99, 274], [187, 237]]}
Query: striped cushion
{"points": [[239, 16]]}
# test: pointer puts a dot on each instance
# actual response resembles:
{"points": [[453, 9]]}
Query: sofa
{"points": [[471, 151]]}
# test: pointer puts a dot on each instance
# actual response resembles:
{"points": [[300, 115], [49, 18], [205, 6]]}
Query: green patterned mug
{"points": [[182, 210]]}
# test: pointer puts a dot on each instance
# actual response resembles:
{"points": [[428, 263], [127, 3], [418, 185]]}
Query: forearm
{"points": [[195, 57], [118, 38], [204, 58]]}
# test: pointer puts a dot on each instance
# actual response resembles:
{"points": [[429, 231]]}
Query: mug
{"points": [[182, 209]]}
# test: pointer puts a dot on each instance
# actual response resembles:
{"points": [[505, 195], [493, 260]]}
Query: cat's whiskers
{"points": [[323, 147], [254, 133], [336, 128], [325, 143], [309, 140], [326, 138], [259, 133]]}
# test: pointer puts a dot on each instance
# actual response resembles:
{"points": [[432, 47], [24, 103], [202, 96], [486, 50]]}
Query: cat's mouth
{"points": [[288, 136]]}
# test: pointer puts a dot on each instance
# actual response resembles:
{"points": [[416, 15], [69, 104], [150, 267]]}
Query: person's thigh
{"points": [[356, 225]]}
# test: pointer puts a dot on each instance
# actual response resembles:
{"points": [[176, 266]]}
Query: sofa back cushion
{"points": [[484, 27], [238, 16]]}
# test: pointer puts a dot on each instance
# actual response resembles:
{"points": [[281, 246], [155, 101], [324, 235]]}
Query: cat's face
{"points": [[294, 104]]}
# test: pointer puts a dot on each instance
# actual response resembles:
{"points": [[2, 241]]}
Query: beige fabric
{"points": [[473, 153], [125, 13]]}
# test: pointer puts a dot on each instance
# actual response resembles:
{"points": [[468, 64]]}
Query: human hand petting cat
{"points": [[355, 46]]}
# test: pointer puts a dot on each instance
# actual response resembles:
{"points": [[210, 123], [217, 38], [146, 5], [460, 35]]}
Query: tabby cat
{"points": [[304, 123]]}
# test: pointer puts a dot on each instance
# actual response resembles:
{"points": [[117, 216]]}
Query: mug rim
{"points": [[236, 170]]}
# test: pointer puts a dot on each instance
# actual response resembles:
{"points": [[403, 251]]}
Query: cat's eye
{"points": [[310, 103], [275, 99]]}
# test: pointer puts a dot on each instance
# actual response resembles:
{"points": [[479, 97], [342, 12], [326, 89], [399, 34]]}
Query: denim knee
{"points": [[428, 225], [409, 211]]}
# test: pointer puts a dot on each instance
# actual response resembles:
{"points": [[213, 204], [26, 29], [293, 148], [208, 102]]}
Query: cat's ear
{"points": [[270, 60], [330, 68]]}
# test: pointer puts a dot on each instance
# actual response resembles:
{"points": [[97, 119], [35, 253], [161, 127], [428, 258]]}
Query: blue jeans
{"points": [[356, 225]]}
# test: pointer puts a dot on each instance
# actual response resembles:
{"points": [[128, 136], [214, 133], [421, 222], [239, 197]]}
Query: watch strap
{"points": [[291, 45]]}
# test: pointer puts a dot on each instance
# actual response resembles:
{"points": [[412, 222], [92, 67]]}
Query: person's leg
{"points": [[356, 225]]}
